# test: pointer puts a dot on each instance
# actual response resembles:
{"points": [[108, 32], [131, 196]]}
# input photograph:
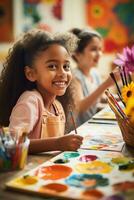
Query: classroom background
{"points": [[113, 19]]}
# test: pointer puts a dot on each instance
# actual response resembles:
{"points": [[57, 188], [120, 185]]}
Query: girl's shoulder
{"points": [[77, 71], [94, 71], [58, 105], [78, 74], [95, 75], [32, 96], [59, 109]]}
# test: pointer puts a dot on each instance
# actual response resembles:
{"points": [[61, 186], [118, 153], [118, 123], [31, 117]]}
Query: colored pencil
{"points": [[116, 103], [117, 108], [114, 109]]}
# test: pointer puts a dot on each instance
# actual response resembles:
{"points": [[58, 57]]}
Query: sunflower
{"points": [[130, 109], [127, 92]]}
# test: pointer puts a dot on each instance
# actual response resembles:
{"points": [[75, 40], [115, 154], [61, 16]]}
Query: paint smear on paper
{"points": [[61, 161], [114, 197], [88, 158], [26, 180], [95, 167], [113, 155], [54, 187], [69, 155], [127, 167], [120, 160], [124, 186], [87, 180], [93, 194], [53, 172]]}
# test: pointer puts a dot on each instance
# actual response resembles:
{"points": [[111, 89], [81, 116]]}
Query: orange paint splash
{"points": [[53, 172], [93, 194], [26, 180], [124, 186], [89, 183], [55, 187]]}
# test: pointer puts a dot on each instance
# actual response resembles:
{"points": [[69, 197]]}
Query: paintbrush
{"points": [[119, 92], [113, 106], [113, 77], [121, 75], [111, 97], [73, 121], [120, 97], [129, 77], [125, 76], [114, 109]]}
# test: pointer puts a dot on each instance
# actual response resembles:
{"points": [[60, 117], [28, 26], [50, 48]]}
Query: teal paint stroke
{"points": [[77, 180], [68, 155]]}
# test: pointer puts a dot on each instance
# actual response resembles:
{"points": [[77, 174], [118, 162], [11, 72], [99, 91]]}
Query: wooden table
{"points": [[33, 161]]}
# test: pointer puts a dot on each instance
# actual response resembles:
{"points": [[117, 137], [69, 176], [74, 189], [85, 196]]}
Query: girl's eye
{"points": [[52, 66], [93, 49], [67, 67]]}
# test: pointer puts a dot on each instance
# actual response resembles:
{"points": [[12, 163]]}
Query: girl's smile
{"points": [[51, 71], [60, 84]]}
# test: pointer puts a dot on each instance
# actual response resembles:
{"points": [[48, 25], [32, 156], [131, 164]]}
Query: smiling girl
{"points": [[36, 72]]}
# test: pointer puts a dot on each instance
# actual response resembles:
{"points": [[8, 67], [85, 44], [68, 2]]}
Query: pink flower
{"points": [[126, 59]]}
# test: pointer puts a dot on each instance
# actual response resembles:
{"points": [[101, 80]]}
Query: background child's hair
{"points": [[13, 81], [84, 37]]}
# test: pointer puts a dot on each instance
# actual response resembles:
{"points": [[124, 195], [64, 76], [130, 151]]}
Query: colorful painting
{"points": [[101, 137], [42, 14], [114, 20], [85, 175], [6, 21], [105, 114]]}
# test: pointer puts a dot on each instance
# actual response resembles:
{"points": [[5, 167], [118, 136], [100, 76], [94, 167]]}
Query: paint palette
{"points": [[78, 175]]}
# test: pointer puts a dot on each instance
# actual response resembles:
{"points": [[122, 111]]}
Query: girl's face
{"points": [[51, 71], [91, 54]]}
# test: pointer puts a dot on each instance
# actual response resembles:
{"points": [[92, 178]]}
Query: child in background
{"points": [[36, 71], [87, 81]]}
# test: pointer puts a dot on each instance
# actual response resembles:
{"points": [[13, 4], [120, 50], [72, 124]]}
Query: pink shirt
{"points": [[30, 113]]}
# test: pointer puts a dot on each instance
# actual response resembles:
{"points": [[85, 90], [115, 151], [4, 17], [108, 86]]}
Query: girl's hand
{"points": [[69, 142]]}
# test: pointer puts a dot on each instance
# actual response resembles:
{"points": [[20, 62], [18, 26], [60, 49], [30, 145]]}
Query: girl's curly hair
{"points": [[13, 81]]}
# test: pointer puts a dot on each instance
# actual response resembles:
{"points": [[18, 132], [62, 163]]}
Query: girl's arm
{"points": [[84, 103], [70, 142], [42, 145]]}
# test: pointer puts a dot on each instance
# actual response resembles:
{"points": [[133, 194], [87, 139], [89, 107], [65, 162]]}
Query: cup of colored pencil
{"points": [[124, 120], [127, 130], [13, 150], [124, 112]]}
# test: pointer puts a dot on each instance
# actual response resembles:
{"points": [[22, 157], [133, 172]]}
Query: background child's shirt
{"points": [[30, 113], [88, 87]]}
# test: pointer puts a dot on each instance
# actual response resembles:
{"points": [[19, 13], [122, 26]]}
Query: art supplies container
{"points": [[127, 130], [126, 127], [13, 155]]}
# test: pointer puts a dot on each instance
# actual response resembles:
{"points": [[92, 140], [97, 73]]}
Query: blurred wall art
{"points": [[114, 20]]}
